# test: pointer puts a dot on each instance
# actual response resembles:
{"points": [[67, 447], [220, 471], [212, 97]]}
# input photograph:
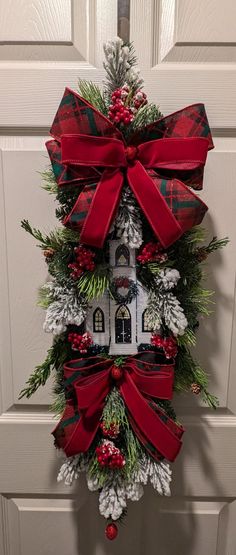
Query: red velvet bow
{"points": [[111, 154], [138, 382], [88, 147]]}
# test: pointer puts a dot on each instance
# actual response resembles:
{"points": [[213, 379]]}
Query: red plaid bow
{"points": [[89, 147], [141, 378]]}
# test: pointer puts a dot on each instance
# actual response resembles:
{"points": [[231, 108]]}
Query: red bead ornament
{"points": [[168, 344], [131, 153], [79, 342], [111, 531], [83, 261], [152, 252], [109, 455], [116, 373], [112, 431]]}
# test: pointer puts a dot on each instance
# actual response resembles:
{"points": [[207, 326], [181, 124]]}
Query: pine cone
{"points": [[48, 253], [195, 388]]}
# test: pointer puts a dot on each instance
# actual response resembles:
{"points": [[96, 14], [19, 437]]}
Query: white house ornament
{"points": [[125, 290]]}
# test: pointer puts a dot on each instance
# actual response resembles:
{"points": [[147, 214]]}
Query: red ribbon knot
{"points": [[131, 153], [116, 373]]}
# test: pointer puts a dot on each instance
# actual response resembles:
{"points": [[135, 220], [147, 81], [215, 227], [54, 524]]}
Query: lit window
{"points": [[123, 325], [122, 256], [123, 313], [98, 320], [145, 323]]}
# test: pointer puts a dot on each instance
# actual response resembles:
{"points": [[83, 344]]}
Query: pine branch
{"points": [[49, 182], [57, 355], [36, 233], [187, 372], [216, 244], [55, 240], [187, 339], [209, 399], [94, 284], [91, 92], [145, 115], [44, 297], [59, 403], [199, 300]]}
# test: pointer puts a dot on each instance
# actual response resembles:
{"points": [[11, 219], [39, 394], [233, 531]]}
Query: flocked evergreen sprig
{"points": [[121, 67]]}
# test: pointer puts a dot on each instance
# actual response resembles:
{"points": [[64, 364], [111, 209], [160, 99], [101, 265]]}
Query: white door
{"points": [[187, 54]]}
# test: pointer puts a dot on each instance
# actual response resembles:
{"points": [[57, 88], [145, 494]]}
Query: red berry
{"points": [[111, 531], [116, 373]]}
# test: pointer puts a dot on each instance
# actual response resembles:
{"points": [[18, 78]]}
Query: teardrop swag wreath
{"points": [[123, 176]]}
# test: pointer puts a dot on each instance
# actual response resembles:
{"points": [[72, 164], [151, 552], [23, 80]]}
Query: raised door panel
{"points": [[45, 46], [197, 31], [35, 21], [24, 343], [186, 55], [58, 525], [214, 340]]}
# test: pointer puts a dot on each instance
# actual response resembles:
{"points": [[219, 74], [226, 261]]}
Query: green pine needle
{"points": [[49, 182], [209, 399], [94, 284], [56, 356], [91, 92], [187, 339], [145, 115], [55, 239], [216, 244], [59, 403], [44, 298]]}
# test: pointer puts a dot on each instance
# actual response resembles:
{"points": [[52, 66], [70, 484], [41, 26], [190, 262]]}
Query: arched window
{"points": [[122, 257], [123, 325], [145, 323], [98, 320]]}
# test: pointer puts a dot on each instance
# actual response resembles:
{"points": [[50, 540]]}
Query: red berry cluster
{"points": [[109, 455], [152, 252], [83, 261], [124, 104], [122, 282], [119, 111], [79, 342], [112, 431], [168, 344]]}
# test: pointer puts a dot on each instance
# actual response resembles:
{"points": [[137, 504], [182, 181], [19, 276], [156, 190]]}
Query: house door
{"points": [[186, 52], [123, 325]]}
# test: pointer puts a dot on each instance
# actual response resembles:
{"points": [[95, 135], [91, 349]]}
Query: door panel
{"points": [[188, 52]]}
